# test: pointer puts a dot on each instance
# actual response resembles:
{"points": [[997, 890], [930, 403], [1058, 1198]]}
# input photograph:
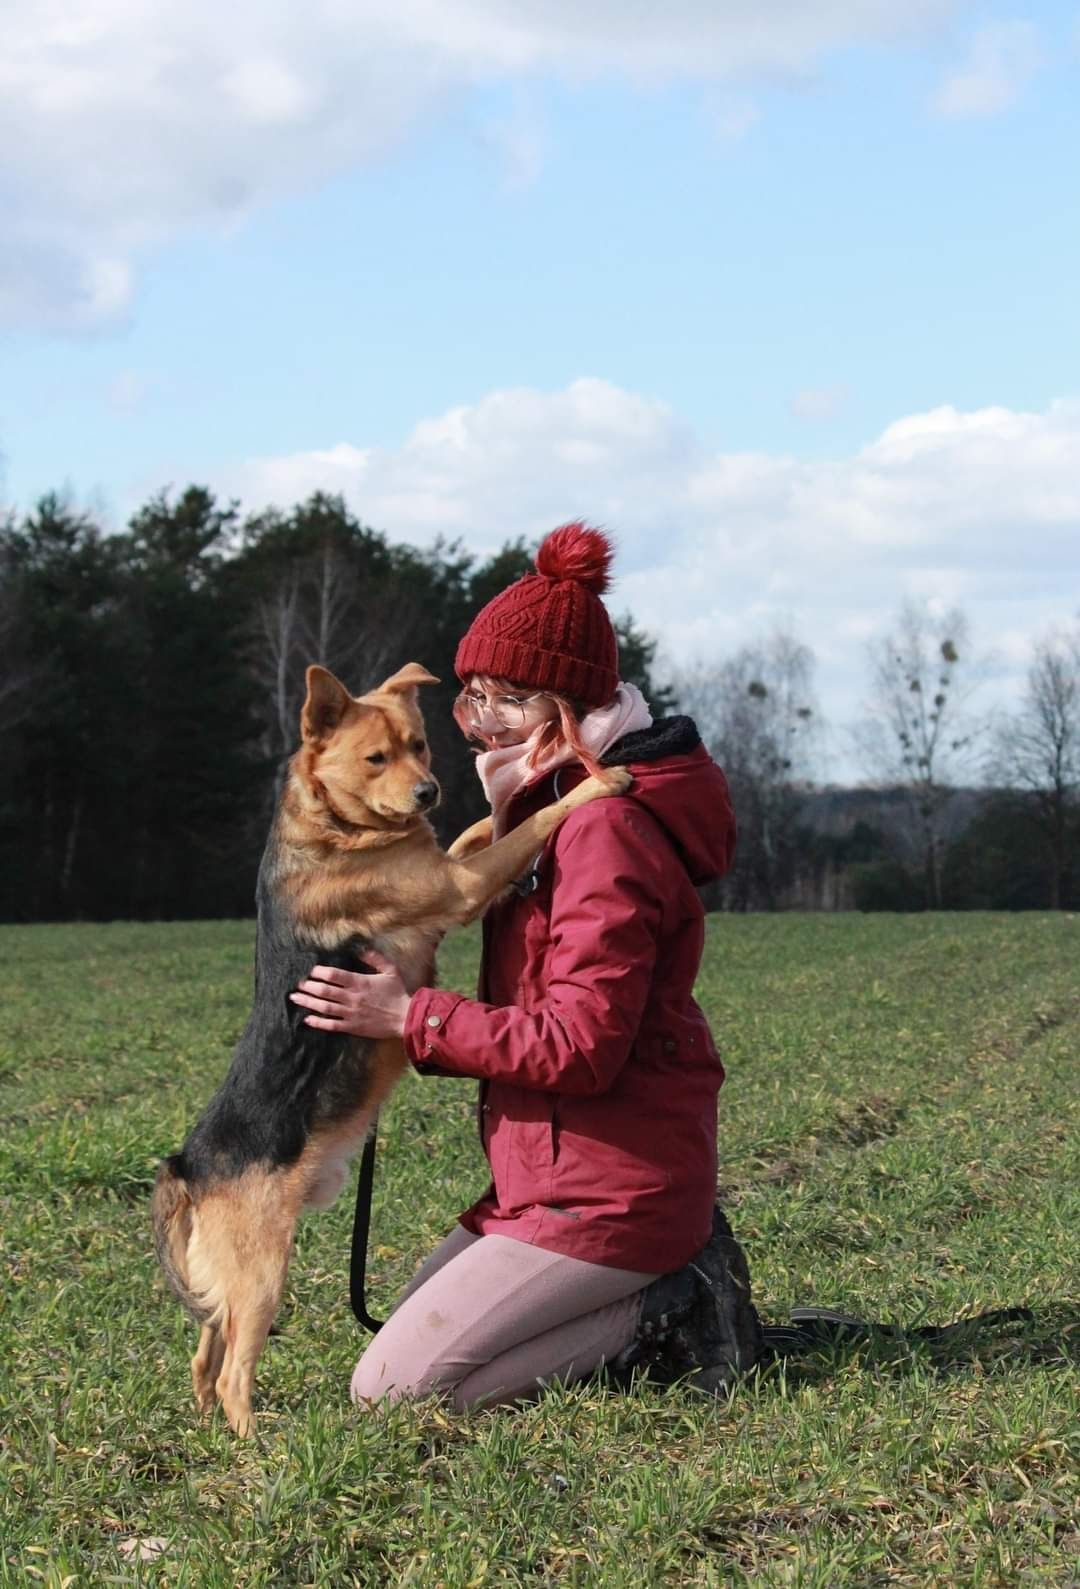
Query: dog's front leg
{"points": [[478, 879], [475, 838]]}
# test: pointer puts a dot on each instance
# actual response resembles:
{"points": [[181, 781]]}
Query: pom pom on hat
{"points": [[574, 551], [550, 630]]}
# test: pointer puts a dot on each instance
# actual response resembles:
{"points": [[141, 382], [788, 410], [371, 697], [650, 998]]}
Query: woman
{"points": [[597, 1240]]}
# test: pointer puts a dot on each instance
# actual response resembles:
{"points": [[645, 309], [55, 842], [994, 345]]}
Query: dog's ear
{"points": [[405, 680], [327, 699]]}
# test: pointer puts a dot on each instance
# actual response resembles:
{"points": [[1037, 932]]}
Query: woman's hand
{"points": [[349, 1001]]}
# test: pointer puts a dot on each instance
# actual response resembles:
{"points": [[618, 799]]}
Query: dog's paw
{"points": [[205, 1400], [609, 781], [616, 780]]}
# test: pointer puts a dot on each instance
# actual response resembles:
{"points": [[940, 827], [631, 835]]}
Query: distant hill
{"points": [[835, 811]]}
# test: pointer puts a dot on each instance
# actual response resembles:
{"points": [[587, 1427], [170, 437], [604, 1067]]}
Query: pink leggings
{"points": [[490, 1319]]}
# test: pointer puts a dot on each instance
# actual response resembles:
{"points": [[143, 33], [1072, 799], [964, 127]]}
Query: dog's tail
{"points": [[173, 1210]]}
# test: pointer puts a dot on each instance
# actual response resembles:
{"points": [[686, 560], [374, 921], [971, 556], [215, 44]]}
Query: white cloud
{"points": [[124, 122], [516, 462], [264, 90], [1003, 58], [48, 279], [981, 508]]}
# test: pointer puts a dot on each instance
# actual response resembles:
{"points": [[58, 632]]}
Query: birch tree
{"points": [[757, 716], [1037, 751], [919, 732]]}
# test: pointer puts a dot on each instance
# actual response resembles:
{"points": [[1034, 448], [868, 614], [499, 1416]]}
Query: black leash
{"points": [[361, 1229]]}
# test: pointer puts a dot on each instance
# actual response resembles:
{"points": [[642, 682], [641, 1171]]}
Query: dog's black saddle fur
{"points": [[286, 1078]]}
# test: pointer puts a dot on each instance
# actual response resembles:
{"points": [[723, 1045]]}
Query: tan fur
{"points": [[355, 855], [172, 1214]]}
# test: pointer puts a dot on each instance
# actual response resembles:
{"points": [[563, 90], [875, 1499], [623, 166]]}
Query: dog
{"points": [[351, 863]]}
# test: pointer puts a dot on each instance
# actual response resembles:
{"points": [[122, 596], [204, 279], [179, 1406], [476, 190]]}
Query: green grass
{"points": [[898, 1137]]}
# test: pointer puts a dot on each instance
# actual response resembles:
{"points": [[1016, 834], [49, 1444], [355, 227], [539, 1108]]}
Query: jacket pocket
{"points": [[529, 1164]]}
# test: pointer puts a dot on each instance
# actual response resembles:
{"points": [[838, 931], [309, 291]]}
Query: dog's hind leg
{"points": [[206, 1366], [252, 1300], [249, 1319], [239, 1259]]}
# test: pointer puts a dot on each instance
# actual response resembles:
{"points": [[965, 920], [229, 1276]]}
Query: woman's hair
{"points": [[562, 730]]}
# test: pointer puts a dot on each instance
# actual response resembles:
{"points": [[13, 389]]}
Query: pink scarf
{"points": [[503, 771]]}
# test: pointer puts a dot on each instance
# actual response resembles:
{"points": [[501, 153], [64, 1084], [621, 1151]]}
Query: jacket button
{"points": [[670, 1045], [434, 1020]]}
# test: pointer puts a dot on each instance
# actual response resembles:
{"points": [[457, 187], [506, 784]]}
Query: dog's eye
{"points": [[378, 760], [418, 747]]}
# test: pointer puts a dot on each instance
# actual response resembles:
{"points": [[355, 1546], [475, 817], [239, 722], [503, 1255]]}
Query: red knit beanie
{"points": [[550, 630]]}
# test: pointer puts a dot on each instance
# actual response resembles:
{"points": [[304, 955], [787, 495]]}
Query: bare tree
{"points": [[323, 608], [756, 714], [275, 658], [920, 735], [332, 588], [1037, 749]]}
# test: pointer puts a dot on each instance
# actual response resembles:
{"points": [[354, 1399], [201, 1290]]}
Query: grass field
{"points": [[898, 1137]]}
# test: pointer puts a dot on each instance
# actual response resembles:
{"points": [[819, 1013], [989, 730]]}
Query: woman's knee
{"points": [[378, 1377], [369, 1379]]}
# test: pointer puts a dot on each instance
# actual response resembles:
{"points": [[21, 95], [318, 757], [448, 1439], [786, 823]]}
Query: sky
{"points": [[783, 296]]}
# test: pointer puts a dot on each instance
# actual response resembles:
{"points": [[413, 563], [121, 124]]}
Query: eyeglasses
{"points": [[509, 710]]}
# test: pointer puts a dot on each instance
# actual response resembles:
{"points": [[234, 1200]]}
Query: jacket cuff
{"points": [[425, 1039]]}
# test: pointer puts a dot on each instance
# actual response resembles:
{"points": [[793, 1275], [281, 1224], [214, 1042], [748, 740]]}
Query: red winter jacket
{"points": [[598, 1072]]}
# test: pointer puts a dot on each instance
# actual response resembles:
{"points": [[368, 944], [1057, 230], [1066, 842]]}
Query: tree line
{"points": [[151, 682], [967, 809]]}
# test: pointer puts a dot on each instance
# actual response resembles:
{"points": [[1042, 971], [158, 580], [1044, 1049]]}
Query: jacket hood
{"points": [[677, 780]]}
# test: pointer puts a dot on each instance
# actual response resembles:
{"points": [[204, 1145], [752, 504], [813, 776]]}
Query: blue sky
{"points": [[786, 300]]}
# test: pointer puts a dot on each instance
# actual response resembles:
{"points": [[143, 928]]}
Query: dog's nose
{"points": [[425, 794]]}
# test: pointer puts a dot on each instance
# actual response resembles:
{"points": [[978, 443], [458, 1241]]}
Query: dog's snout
{"points": [[425, 794]]}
